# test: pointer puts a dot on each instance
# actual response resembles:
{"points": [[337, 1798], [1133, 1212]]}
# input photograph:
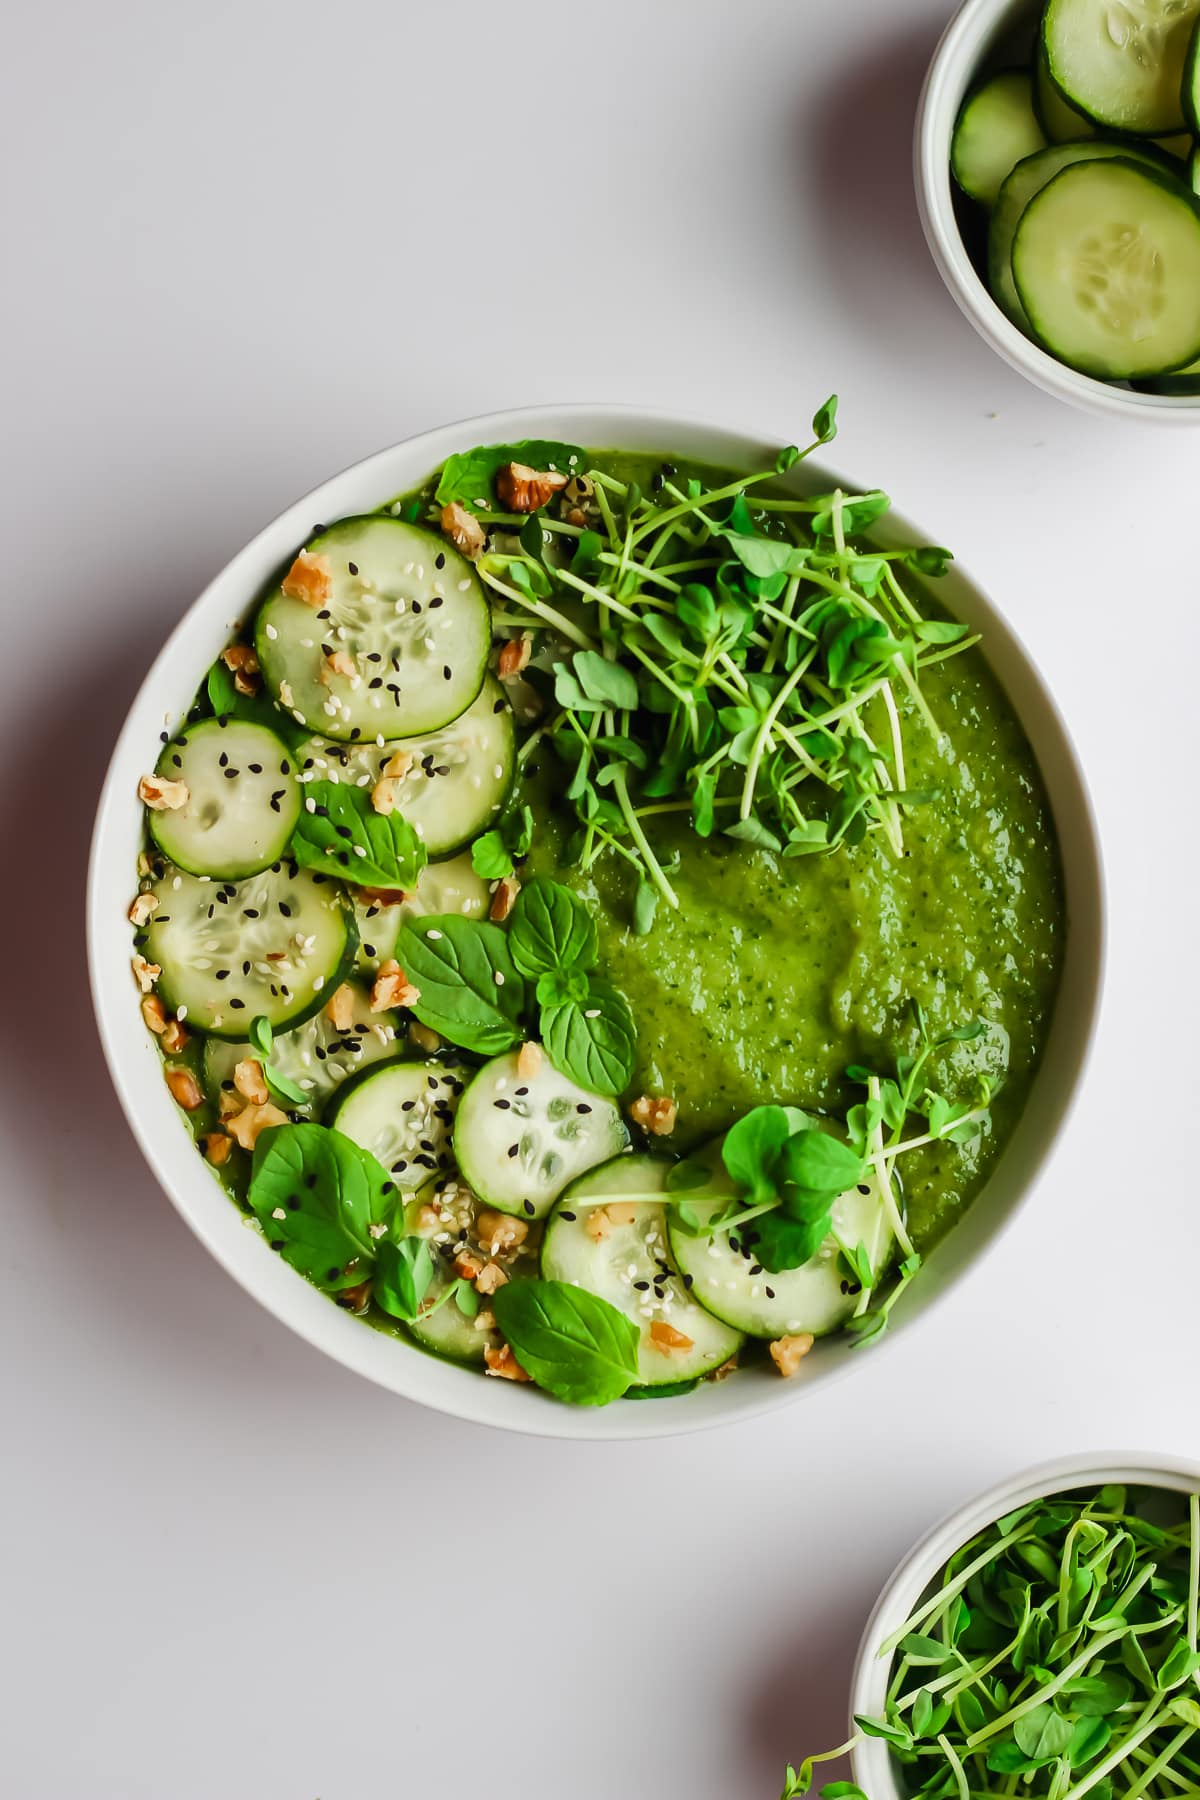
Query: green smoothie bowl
{"points": [[616, 912]]}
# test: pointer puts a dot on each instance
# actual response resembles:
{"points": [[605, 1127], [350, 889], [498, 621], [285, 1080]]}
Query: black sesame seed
{"points": [[285, 909], [641, 1286], [769, 1292], [250, 912], [499, 706], [163, 738], [446, 675], [237, 1005], [503, 1105], [513, 1149], [353, 568], [332, 1274], [222, 974], [863, 1188], [688, 1280], [231, 774], [436, 601], [368, 950], [398, 1168], [222, 760], [582, 1106], [570, 1217], [520, 1092], [530, 1208], [439, 561], [254, 768], [177, 760], [407, 1105]]}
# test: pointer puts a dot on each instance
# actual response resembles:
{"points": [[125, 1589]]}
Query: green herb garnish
{"points": [[339, 832], [574, 1344]]}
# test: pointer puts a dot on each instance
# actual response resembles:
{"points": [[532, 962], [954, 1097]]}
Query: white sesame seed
{"points": [[434, 935], [464, 587], [271, 632], [278, 1213], [181, 1012], [498, 978], [592, 1012]]}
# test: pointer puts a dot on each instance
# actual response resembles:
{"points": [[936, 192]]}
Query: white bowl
{"points": [[975, 31], [873, 1766], [133, 1057]]}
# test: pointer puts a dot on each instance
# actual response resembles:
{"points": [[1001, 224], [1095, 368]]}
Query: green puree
{"points": [[776, 973]]}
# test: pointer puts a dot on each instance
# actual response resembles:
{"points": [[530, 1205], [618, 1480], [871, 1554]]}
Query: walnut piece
{"points": [[666, 1338], [498, 1232], [174, 1038], [392, 987], [339, 1008], [310, 579], [485, 1319], [428, 1220], [154, 1013], [468, 1266], [503, 1363], [421, 1038], [339, 662], [241, 660], [524, 490], [356, 1299], [654, 1113], [146, 974], [250, 1082], [787, 1353], [161, 795], [246, 1125], [383, 796], [184, 1088], [216, 1147], [141, 908], [504, 898], [489, 1278], [463, 529], [529, 1060], [514, 657]]}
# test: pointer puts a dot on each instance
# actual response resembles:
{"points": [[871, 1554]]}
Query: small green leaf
{"points": [[605, 682], [289, 1093], [574, 1344], [340, 833], [469, 478], [562, 987], [786, 458], [593, 1042], [261, 1036], [316, 1194], [454, 963], [551, 928], [1042, 1733], [403, 1272], [645, 905], [490, 858], [824, 425]]}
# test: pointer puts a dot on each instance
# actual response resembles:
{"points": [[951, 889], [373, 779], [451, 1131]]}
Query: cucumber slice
{"points": [[409, 611], [1183, 382], [1059, 120], [448, 1331], [728, 1281], [402, 1112], [1194, 171], [1106, 261], [315, 1055], [995, 129], [243, 799], [442, 887], [520, 1139], [455, 782], [275, 945], [1122, 65], [633, 1269], [1027, 179]]}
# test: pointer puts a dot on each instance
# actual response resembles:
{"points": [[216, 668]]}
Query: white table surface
{"points": [[245, 245]]}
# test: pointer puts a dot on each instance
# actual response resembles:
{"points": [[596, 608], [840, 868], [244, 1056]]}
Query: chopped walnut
{"points": [[503, 1363], [371, 896], [489, 1278], [598, 1225], [229, 1101], [310, 579], [174, 1038], [142, 907], [654, 1113], [498, 1232], [524, 490], [467, 1266], [215, 1147], [514, 657], [184, 1088], [146, 974], [428, 1220], [504, 897], [666, 1338], [250, 1082], [383, 796], [357, 1298], [392, 987], [242, 661], [787, 1353], [340, 662], [397, 766], [463, 529], [339, 1008], [622, 1212], [155, 1014], [485, 1319], [725, 1370], [529, 1060], [161, 795], [246, 1125], [421, 1038]]}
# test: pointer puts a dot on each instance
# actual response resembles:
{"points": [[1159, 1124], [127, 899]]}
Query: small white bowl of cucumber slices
{"points": [[1057, 171]]}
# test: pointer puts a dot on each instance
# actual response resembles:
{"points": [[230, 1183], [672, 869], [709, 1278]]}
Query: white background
{"points": [[246, 244]]}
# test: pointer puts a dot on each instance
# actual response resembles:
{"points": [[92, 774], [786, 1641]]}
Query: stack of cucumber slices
{"points": [[1086, 164]]}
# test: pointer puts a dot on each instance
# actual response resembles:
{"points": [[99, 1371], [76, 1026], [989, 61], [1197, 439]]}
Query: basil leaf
{"points": [[551, 928], [403, 1272], [558, 987], [469, 990], [469, 477], [339, 832], [593, 1043], [316, 1195], [572, 1343]]}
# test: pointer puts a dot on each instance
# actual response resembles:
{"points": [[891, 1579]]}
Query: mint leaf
{"points": [[454, 963], [551, 928], [340, 833], [316, 1194], [403, 1272], [592, 1042], [489, 857], [470, 476], [575, 1345]]}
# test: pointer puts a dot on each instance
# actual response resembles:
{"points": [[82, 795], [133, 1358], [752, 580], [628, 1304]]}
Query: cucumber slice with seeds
{"points": [[243, 799], [407, 609], [628, 1262], [317, 1055], [1106, 262], [276, 944], [995, 129], [1121, 65], [520, 1139], [442, 887], [402, 1112], [448, 1331], [449, 784]]}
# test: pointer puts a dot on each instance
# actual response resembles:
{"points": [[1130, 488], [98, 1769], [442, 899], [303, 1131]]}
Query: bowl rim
{"points": [[871, 1759], [952, 70], [196, 639]]}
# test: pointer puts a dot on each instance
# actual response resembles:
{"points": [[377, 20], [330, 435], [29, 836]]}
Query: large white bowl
{"points": [[133, 1057], [874, 1769], [977, 30]]}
